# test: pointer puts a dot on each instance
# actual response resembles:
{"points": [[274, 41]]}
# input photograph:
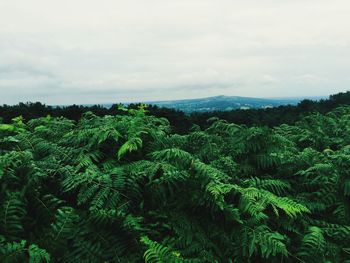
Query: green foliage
{"points": [[124, 188], [261, 240], [37, 255], [313, 245], [157, 253], [19, 252]]}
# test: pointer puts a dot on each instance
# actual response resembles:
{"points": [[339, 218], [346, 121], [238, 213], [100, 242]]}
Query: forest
{"points": [[179, 121], [131, 184]]}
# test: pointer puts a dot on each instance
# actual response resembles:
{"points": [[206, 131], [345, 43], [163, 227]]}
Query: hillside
{"points": [[179, 121], [224, 103]]}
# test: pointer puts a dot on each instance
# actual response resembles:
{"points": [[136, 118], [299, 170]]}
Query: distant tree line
{"points": [[286, 114], [179, 121]]}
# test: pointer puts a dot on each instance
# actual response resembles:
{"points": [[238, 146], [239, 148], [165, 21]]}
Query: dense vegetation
{"points": [[125, 188], [180, 122]]}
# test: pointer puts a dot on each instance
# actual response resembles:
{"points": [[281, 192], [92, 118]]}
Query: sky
{"points": [[101, 51]]}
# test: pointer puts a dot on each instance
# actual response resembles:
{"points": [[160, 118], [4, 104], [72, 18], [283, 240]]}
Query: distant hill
{"points": [[226, 103], [260, 113]]}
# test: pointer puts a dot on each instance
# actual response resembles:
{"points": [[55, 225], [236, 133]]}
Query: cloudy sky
{"points": [[95, 51]]}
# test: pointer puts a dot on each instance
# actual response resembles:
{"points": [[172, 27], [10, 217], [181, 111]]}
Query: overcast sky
{"points": [[95, 51]]}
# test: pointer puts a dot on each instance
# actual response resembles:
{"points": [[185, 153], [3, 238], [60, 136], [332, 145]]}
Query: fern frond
{"points": [[38, 255], [313, 245], [132, 144], [12, 213]]}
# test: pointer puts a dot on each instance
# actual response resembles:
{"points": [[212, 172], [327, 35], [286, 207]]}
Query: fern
{"points": [[12, 252], [37, 255], [313, 245], [157, 253], [262, 240], [19, 252], [13, 213], [124, 188], [132, 144]]}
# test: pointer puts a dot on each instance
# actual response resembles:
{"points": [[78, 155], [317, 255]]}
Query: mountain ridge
{"points": [[216, 103], [225, 103]]}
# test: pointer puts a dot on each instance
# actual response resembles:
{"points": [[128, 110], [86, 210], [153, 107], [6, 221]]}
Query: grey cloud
{"points": [[106, 51]]}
